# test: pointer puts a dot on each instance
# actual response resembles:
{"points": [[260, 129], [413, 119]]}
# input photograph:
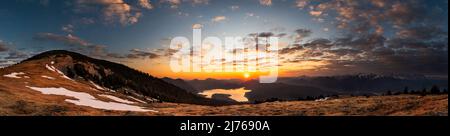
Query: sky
{"points": [[317, 37]]}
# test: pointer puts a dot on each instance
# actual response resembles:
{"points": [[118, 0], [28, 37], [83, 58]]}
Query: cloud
{"points": [[3, 46], [197, 26], [67, 28], [265, 2], [16, 54], [67, 39], [115, 55], [379, 3], [265, 34], [197, 2], [292, 49], [315, 13], [219, 19], [113, 10], [5, 63], [137, 53], [172, 3], [87, 21], [234, 7], [96, 50], [413, 52], [145, 4], [371, 16], [419, 43], [303, 32], [422, 32], [301, 3], [278, 29], [300, 34], [401, 13]]}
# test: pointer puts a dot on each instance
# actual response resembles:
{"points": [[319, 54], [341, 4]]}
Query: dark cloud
{"points": [[303, 32], [16, 54], [281, 35], [265, 34], [417, 50], [374, 16], [365, 42], [318, 44], [68, 39], [78, 44], [292, 49], [137, 53], [115, 55], [94, 50], [343, 52], [3, 46], [422, 33], [313, 44], [401, 13]]}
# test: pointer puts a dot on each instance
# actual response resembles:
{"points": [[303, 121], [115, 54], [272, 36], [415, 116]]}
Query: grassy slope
{"points": [[402, 105]]}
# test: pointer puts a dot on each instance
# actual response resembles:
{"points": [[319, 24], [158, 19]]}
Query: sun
{"points": [[246, 75]]}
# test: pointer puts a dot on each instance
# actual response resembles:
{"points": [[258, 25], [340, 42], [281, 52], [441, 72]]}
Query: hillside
{"points": [[401, 105], [50, 77], [115, 76]]}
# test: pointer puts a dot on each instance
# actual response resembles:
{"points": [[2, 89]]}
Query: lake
{"points": [[235, 94]]}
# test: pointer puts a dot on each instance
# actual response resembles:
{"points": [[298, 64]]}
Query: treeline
{"points": [[306, 98], [434, 90]]}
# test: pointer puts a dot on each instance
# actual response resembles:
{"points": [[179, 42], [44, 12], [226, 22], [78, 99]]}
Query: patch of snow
{"points": [[117, 99], [323, 99], [111, 90], [136, 99], [97, 86], [14, 75], [57, 71], [26, 77], [151, 99], [50, 68], [64, 76], [52, 62], [48, 77], [142, 96], [85, 99]]}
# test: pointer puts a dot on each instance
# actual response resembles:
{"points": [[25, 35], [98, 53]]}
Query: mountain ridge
{"points": [[117, 77]]}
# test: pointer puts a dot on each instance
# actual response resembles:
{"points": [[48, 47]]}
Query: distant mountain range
{"points": [[368, 83], [301, 87]]}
